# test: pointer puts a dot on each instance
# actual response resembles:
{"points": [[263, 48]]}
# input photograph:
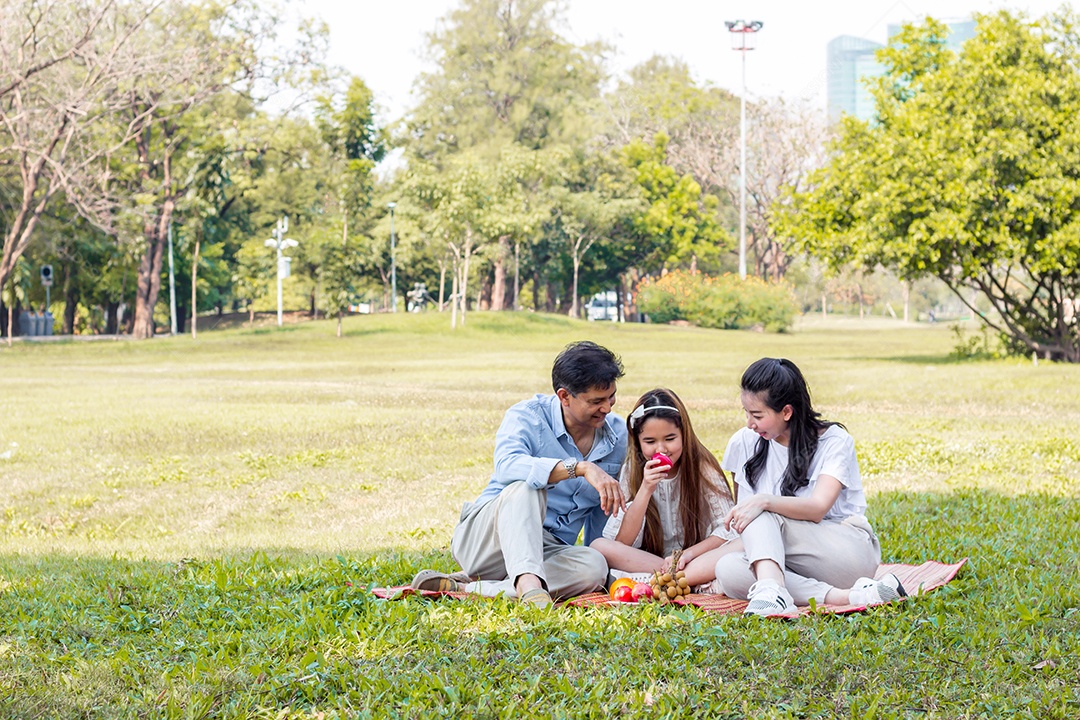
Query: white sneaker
{"points": [[867, 591], [768, 597]]}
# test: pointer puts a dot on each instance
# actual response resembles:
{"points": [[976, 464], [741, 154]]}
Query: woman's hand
{"points": [[746, 512]]}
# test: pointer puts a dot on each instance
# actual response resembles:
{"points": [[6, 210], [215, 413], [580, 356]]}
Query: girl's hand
{"points": [[654, 472], [746, 512]]}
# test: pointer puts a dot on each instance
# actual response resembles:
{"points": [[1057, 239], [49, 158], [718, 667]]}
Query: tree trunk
{"points": [[484, 300], [71, 298], [498, 285], [195, 288], [514, 305], [464, 286], [536, 289], [574, 297], [339, 324], [149, 281], [454, 298], [111, 324], [442, 284]]}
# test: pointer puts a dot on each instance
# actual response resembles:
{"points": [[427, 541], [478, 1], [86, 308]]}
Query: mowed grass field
{"points": [[188, 529]]}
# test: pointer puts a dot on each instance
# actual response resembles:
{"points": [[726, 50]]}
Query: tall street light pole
{"points": [[280, 242], [393, 260], [742, 39]]}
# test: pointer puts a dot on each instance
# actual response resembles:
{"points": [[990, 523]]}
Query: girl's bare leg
{"points": [[702, 569], [626, 558]]}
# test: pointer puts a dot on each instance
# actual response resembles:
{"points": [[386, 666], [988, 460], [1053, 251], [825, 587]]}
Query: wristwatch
{"points": [[571, 468]]}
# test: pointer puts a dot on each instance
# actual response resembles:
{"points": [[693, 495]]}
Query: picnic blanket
{"points": [[916, 579]]}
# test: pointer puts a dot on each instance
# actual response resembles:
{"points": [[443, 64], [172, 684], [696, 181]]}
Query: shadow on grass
{"points": [[237, 635], [919, 359]]}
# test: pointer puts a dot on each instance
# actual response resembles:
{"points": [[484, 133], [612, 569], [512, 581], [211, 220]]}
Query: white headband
{"points": [[640, 410]]}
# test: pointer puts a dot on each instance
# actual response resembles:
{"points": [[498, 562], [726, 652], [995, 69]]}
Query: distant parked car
{"points": [[603, 306]]}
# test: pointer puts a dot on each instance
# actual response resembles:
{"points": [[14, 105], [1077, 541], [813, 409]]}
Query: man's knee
{"points": [[594, 565]]}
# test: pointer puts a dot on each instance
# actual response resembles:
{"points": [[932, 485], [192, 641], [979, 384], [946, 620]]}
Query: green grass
{"points": [[187, 529]]}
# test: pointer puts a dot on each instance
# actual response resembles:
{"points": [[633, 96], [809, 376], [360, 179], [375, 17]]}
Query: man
{"points": [[555, 458]]}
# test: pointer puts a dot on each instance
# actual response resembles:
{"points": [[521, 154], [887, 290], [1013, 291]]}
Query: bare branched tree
{"points": [[785, 141], [63, 66]]}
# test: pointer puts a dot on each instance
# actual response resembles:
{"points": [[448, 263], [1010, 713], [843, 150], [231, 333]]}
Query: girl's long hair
{"points": [[778, 383], [695, 482]]}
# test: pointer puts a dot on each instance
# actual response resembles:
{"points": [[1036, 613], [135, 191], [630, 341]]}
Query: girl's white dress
{"points": [[667, 496]]}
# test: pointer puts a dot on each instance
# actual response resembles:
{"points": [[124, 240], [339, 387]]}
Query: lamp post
{"points": [[280, 242], [393, 260], [742, 39]]}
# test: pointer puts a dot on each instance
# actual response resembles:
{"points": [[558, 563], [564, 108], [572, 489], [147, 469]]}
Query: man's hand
{"points": [[611, 497]]}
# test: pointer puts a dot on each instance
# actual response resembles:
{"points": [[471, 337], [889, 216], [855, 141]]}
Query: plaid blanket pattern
{"points": [[916, 579]]}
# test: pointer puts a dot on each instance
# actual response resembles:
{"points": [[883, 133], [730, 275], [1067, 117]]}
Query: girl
{"points": [[671, 506], [801, 504]]}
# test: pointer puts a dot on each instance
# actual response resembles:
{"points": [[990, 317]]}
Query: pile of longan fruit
{"points": [[671, 583]]}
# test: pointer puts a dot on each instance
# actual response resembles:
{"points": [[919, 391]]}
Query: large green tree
{"points": [[970, 172], [504, 76]]}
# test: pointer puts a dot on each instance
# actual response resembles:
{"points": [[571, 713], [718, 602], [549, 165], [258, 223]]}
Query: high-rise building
{"points": [[851, 63]]}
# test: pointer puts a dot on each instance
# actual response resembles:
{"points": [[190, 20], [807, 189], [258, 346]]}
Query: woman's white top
{"points": [[667, 496], [835, 456]]}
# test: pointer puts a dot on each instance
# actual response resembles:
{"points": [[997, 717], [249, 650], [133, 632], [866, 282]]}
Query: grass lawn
{"points": [[187, 529]]}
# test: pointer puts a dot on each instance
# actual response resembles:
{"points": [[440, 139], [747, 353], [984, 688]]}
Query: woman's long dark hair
{"points": [[694, 484], [778, 383]]}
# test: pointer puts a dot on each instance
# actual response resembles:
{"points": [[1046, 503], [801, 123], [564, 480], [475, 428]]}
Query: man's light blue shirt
{"points": [[531, 441]]}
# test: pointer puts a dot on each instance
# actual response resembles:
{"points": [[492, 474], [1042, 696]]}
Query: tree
{"points": [[209, 48], [679, 221], [64, 71], [505, 76], [784, 143], [970, 173]]}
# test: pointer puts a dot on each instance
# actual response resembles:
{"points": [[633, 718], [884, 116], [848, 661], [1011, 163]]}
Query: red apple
{"points": [[664, 459], [624, 594], [642, 591]]}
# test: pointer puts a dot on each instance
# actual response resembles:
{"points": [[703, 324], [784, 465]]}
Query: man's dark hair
{"points": [[584, 366]]}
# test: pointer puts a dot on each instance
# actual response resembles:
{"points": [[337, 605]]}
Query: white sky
{"points": [[382, 40]]}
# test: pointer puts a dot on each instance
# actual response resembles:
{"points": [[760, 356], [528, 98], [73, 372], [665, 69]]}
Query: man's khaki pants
{"points": [[505, 538]]}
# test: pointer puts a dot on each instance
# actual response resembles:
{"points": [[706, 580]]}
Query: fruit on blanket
{"points": [[624, 594], [664, 459], [620, 583], [643, 591], [671, 583]]}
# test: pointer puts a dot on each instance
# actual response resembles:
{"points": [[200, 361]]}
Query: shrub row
{"points": [[717, 302]]}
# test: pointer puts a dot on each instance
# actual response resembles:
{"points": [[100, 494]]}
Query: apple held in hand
{"points": [[664, 459]]}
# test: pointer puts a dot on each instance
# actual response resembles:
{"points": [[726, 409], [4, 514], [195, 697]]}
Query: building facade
{"points": [[851, 62]]}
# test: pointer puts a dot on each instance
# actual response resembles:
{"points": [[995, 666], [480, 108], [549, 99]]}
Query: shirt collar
{"points": [[557, 422]]}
